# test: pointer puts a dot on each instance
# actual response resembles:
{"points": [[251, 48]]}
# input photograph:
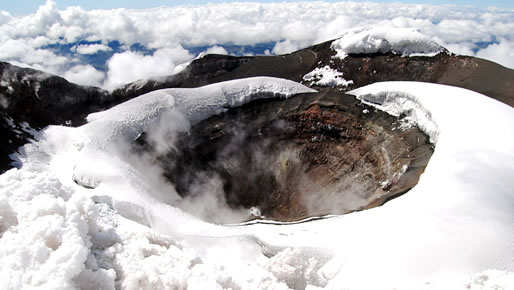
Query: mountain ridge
{"points": [[33, 99]]}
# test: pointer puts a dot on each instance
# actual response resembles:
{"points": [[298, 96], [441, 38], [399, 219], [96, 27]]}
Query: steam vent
{"points": [[307, 156]]}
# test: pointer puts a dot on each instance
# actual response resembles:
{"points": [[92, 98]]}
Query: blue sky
{"points": [[22, 7]]}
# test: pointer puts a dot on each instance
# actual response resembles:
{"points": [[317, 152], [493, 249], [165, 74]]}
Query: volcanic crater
{"points": [[292, 159]]}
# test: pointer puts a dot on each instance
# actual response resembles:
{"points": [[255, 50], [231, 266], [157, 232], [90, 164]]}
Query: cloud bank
{"points": [[91, 48], [130, 66], [487, 33]]}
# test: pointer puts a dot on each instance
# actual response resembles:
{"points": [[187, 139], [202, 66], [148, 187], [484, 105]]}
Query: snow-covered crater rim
{"points": [[400, 104]]}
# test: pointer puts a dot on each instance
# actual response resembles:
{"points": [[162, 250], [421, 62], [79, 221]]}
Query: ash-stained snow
{"points": [[403, 41], [129, 232], [326, 76]]}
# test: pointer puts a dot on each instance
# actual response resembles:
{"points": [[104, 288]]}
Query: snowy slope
{"points": [[125, 230]]}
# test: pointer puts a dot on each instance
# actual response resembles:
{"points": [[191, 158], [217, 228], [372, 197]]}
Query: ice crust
{"points": [[124, 233], [403, 41]]}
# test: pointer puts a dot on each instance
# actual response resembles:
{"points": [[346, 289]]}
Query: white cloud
{"points": [[90, 48], [502, 53], [216, 50], [4, 17], [213, 50], [85, 75], [21, 51], [292, 25], [131, 66]]}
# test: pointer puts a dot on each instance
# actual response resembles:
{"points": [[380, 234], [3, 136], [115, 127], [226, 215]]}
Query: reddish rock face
{"points": [[307, 156]]}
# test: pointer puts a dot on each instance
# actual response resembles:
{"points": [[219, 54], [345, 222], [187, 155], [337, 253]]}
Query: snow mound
{"points": [[326, 76], [44, 242], [404, 41]]}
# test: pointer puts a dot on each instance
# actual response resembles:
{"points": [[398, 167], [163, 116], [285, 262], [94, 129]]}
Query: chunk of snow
{"points": [[255, 212], [326, 76], [404, 41]]}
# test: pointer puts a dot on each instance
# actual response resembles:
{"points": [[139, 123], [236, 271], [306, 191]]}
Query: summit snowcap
{"points": [[404, 41]]}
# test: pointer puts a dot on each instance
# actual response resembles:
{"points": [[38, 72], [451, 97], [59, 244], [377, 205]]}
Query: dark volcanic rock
{"points": [[42, 99], [311, 155], [31, 99], [13, 135], [467, 72]]}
